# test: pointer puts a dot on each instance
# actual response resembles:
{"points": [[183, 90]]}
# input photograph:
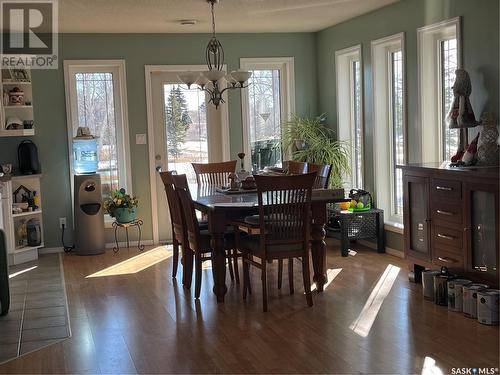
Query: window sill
{"points": [[394, 227]]}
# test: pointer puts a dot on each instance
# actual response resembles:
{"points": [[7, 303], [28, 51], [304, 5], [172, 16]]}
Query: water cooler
{"points": [[88, 208]]}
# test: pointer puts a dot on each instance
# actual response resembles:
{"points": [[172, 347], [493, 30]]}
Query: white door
{"points": [[186, 129]]}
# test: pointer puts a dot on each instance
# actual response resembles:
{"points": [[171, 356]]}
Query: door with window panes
{"points": [[188, 130]]}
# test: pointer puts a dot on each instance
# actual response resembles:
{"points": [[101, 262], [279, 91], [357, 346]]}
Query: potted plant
{"points": [[317, 145], [121, 206]]}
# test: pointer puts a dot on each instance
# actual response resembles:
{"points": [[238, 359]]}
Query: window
{"points": [[438, 58], [96, 98], [449, 63], [348, 67], [185, 128], [266, 104], [389, 124]]}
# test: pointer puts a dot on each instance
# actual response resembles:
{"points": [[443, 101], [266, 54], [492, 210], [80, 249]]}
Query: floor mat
{"points": [[38, 314]]}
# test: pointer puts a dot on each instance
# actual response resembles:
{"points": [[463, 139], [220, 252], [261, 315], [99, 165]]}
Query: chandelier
{"points": [[215, 81]]}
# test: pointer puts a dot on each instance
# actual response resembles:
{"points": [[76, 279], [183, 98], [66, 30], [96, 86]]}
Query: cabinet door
{"points": [[416, 217], [482, 227]]}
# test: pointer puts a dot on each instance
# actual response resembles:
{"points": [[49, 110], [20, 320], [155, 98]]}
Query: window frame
{"points": [[286, 66], [117, 67], [383, 117], [430, 90], [344, 60]]}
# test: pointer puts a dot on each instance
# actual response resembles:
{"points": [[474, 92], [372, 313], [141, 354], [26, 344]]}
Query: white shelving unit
{"points": [[18, 249], [23, 111]]}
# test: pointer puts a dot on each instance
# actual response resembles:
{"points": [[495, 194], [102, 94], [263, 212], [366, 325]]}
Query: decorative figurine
{"points": [[461, 116], [487, 148]]}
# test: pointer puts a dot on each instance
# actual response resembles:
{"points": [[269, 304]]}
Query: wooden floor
{"points": [[145, 322]]}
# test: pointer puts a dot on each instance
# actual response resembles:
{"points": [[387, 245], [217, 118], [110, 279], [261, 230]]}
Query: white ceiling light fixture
{"points": [[215, 78]]}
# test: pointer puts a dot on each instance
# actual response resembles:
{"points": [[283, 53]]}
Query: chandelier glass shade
{"points": [[215, 81]]}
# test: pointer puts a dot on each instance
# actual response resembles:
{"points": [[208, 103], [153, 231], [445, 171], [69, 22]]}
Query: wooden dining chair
{"points": [[178, 226], [284, 220], [214, 174], [295, 167], [198, 241], [323, 172]]}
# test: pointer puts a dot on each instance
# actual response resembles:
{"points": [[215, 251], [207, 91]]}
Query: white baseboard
{"points": [[53, 250], [132, 244], [50, 250], [388, 250]]}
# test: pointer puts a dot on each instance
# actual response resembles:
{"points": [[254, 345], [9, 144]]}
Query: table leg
{"points": [[217, 226], [117, 247], [381, 233], [318, 245], [139, 246], [126, 233]]}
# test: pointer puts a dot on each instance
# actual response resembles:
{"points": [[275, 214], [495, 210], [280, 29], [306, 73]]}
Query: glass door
{"points": [[187, 129], [482, 230]]}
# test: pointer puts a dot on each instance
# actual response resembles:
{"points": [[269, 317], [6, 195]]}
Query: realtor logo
{"points": [[29, 34]]}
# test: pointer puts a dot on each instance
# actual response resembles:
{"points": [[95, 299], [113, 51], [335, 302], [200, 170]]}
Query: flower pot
{"points": [[124, 215]]}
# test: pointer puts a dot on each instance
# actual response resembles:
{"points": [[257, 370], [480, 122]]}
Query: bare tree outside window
{"points": [[398, 145], [96, 110], [358, 125], [449, 63]]}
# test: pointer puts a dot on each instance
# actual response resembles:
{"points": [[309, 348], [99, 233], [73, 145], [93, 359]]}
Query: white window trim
{"points": [[121, 112], [429, 83], [286, 66], [148, 71], [345, 106], [381, 50]]}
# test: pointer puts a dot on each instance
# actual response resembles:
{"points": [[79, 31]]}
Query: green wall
{"points": [[139, 50], [480, 51], [480, 47]]}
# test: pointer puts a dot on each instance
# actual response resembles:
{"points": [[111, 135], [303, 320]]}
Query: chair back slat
{"points": [[295, 167], [214, 174], [188, 210], [323, 172], [284, 208], [178, 225]]}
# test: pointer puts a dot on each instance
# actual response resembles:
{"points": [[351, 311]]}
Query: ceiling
{"points": [[232, 16]]}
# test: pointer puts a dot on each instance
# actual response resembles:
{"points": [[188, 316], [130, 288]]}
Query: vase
{"points": [[124, 215]]}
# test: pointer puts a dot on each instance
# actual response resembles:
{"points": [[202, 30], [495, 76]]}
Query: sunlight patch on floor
{"points": [[21, 272], [331, 274], [136, 264], [364, 322], [430, 368]]}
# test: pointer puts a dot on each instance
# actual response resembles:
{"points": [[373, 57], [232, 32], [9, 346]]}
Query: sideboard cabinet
{"points": [[451, 219]]}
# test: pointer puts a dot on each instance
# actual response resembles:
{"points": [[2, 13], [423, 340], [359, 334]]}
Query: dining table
{"points": [[221, 209]]}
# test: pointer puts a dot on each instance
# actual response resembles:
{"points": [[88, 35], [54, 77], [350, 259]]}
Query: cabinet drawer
{"points": [[446, 190], [448, 259], [447, 237], [448, 212]]}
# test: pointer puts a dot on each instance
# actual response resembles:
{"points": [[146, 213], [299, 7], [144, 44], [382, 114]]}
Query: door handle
{"points": [[158, 168], [445, 236], [447, 213], [445, 188], [447, 260]]}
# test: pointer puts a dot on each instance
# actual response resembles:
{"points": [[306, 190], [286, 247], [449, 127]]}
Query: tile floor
{"points": [[38, 311]]}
